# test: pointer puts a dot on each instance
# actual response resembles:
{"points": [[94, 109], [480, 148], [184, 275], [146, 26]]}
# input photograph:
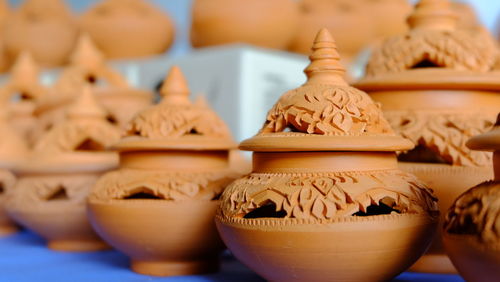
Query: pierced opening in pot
{"points": [[267, 210], [111, 119], [143, 193], [385, 206], [58, 195], [2, 188], [194, 131], [421, 154], [426, 63], [90, 144], [21, 96]]}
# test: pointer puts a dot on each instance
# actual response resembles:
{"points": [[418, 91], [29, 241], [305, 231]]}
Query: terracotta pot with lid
{"points": [[49, 197], [88, 65], [13, 150], [472, 226], [128, 28], [158, 207], [263, 23], [20, 94], [45, 28], [438, 88], [326, 200]]}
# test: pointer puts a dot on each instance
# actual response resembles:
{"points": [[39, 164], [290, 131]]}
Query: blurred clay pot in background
{"points": [[45, 28], [263, 23], [388, 16], [125, 29], [437, 87], [348, 21], [472, 227], [158, 207], [50, 194]]}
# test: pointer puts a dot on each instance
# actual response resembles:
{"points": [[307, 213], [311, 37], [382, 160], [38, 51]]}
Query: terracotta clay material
{"points": [[325, 199], [263, 23], [442, 93], [471, 230], [128, 28], [45, 28], [349, 21], [158, 208], [20, 94], [388, 16], [120, 100], [50, 195]]}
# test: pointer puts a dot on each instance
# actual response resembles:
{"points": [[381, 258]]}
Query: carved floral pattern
{"points": [[167, 120], [36, 191], [457, 50], [477, 212], [326, 110], [324, 196], [444, 133], [175, 186]]}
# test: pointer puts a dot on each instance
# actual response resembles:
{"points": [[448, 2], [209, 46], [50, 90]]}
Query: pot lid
{"points": [[81, 140], [325, 114], [44, 10], [489, 141], [23, 80], [87, 65], [176, 123], [434, 53]]}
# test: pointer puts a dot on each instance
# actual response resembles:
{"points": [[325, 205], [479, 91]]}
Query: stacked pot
{"points": [[438, 88]]}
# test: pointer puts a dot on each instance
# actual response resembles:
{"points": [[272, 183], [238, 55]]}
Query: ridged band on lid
{"points": [[176, 122], [325, 113], [489, 141], [433, 43]]}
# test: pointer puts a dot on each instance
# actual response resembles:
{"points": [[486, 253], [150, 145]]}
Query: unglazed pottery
{"points": [[112, 91], [437, 88], [45, 28], [388, 16], [472, 226], [128, 28], [325, 200], [158, 208], [21, 92], [262, 23], [12, 150], [349, 21], [50, 195]]}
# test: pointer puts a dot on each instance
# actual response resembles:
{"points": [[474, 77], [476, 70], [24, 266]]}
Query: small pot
{"points": [[158, 207]]}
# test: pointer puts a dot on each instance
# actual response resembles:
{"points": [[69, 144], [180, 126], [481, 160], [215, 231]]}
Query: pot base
{"points": [[434, 263], [7, 229], [175, 268], [77, 245]]}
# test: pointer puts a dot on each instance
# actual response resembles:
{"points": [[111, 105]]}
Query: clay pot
{"points": [[442, 93], [20, 94], [262, 23], [112, 91], [471, 236], [50, 195], [349, 21], [128, 28], [388, 16], [158, 208], [45, 28], [324, 179], [12, 150]]}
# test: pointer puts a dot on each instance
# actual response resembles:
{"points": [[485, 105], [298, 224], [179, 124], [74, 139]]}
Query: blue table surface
{"points": [[24, 257]]}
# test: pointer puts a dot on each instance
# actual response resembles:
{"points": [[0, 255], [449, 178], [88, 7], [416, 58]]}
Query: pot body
{"points": [[313, 216], [158, 209], [7, 182], [258, 22], [124, 29], [53, 206], [441, 121]]}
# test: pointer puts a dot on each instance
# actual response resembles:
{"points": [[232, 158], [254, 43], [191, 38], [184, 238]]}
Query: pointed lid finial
{"points": [[325, 64], [86, 106], [86, 54], [175, 87], [25, 70], [433, 14]]}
